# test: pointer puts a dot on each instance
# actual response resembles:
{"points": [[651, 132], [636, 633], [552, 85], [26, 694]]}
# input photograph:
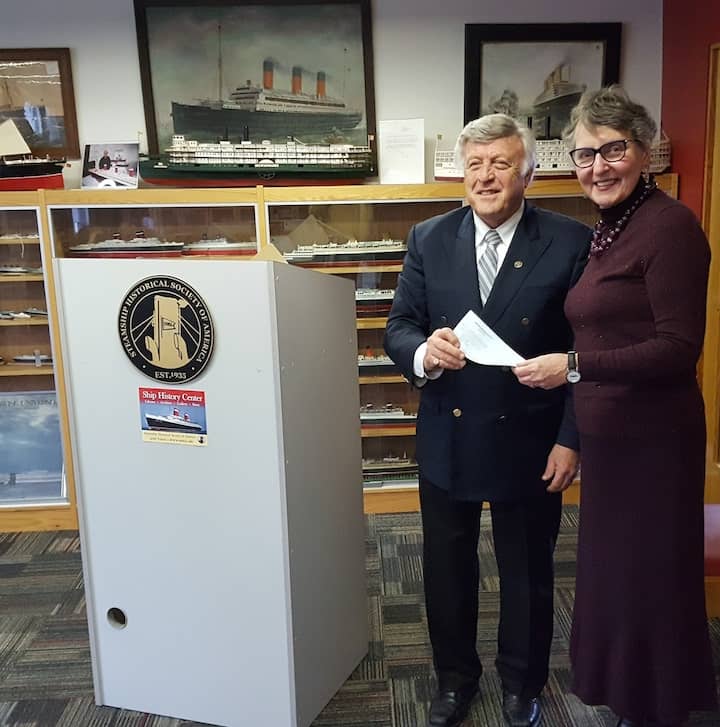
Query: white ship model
{"points": [[291, 156], [553, 157], [219, 246], [139, 246], [19, 169], [389, 471], [373, 301], [333, 253], [385, 416], [36, 358]]}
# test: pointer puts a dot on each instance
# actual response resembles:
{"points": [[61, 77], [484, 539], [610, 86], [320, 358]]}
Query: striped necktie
{"points": [[487, 264]]}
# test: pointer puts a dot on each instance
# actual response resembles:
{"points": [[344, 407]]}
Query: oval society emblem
{"points": [[166, 330]]}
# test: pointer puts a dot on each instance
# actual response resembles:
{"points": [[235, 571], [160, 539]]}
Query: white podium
{"points": [[225, 583]]}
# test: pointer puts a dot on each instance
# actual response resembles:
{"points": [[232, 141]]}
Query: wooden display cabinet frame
{"points": [[42, 516], [396, 499]]}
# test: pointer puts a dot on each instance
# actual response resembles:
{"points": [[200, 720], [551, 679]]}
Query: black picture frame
{"points": [[43, 106], [187, 48], [520, 57]]}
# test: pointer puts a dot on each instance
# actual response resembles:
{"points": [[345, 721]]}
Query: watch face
{"points": [[573, 377]]}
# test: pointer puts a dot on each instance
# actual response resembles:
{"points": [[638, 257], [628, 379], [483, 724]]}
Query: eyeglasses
{"points": [[613, 151]]}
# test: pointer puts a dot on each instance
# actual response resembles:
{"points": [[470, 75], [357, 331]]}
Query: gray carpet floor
{"points": [[45, 674]]}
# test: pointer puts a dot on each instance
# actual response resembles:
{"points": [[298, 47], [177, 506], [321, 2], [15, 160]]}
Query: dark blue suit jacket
{"points": [[497, 448]]}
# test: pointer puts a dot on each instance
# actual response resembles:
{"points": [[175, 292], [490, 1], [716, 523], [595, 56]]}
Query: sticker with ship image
{"points": [[31, 466], [166, 330], [286, 86], [173, 416]]}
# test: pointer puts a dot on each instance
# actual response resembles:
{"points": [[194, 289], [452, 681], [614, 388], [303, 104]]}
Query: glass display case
{"points": [[153, 223], [34, 486], [360, 233]]}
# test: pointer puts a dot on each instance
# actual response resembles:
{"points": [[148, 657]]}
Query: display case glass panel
{"points": [[160, 230], [31, 465], [365, 241]]}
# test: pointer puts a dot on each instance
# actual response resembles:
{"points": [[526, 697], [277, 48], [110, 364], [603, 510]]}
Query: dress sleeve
{"points": [[675, 269]]}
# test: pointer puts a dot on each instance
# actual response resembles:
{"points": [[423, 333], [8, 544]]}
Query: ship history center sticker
{"points": [[166, 330]]}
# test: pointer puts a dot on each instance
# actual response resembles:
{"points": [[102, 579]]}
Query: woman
{"points": [[639, 638]]}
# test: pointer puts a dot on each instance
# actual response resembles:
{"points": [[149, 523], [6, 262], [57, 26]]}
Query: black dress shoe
{"points": [[519, 712], [628, 723], [449, 707]]}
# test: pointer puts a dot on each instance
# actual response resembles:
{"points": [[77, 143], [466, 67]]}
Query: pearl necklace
{"points": [[604, 235]]}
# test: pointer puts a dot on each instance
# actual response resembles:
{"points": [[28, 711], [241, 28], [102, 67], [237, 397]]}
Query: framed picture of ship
{"points": [[31, 471], [256, 71], [36, 94], [537, 72]]}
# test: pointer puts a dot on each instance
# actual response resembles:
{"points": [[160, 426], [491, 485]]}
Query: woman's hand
{"points": [[543, 372]]}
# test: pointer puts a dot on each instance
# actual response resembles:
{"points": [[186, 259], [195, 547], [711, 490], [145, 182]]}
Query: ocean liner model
{"points": [[19, 169], [218, 246], [373, 302], [139, 246], [368, 252], [386, 416], [267, 111], [389, 471]]}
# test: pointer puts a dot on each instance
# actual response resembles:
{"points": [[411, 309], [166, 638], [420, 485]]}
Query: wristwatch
{"points": [[573, 373]]}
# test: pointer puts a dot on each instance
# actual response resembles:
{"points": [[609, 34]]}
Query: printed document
{"points": [[482, 345]]}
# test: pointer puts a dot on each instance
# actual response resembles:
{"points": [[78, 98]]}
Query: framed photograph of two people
{"points": [[229, 69], [537, 72]]}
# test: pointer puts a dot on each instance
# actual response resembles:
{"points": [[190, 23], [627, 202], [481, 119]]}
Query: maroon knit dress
{"points": [[639, 639]]}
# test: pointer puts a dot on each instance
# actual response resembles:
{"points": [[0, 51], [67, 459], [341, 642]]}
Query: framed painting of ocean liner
{"points": [[36, 95], [537, 72], [256, 72]]}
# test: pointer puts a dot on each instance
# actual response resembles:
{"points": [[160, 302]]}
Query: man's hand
{"points": [[561, 468], [443, 351], [543, 372]]}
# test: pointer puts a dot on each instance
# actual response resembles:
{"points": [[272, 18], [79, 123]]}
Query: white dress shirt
{"points": [[506, 231]]}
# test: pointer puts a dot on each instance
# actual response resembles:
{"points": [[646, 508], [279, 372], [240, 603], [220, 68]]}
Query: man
{"points": [[482, 436], [105, 162]]}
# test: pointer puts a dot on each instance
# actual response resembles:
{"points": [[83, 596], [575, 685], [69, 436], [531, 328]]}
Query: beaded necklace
{"points": [[605, 234]]}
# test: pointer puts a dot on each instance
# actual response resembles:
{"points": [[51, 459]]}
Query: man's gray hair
{"points": [[497, 126], [611, 107]]}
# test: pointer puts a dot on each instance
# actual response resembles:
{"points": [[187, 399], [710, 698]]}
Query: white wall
{"points": [[418, 54]]}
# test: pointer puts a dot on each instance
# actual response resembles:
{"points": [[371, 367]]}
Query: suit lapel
{"points": [[526, 248], [463, 265]]}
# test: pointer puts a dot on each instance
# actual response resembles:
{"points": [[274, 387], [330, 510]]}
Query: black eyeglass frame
{"points": [[599, 151]]}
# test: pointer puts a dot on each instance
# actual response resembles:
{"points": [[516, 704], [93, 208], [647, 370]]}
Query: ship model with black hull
{"points": [[19, 169], [263, 135]]}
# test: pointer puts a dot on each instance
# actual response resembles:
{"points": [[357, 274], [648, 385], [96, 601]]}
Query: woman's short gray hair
{"points": [[497, 126], [612, 107]]}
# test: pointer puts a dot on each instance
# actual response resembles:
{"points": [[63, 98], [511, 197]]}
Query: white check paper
{"points": [[482, 345]]}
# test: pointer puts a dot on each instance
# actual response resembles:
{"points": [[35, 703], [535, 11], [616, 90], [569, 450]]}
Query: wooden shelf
{"points": [[390, 379], [24, 322], [345, 269], [365, 324], [22, 278], [20, 241], [398, 498], [13, 369], [368, 432]]}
